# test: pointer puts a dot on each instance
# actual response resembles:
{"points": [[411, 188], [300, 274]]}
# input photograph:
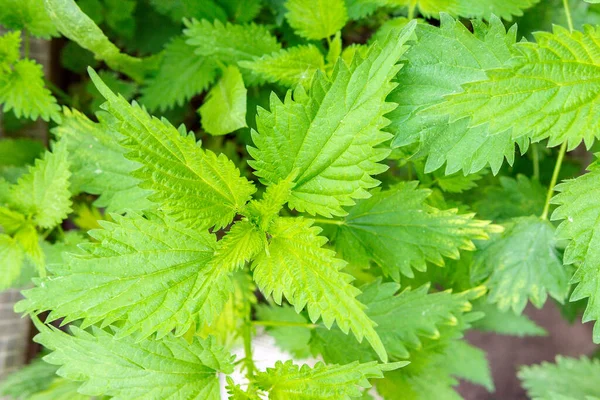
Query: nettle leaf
{"points": [[523, 263], [287, 381], [579, 209], [506, 323], [288, 67], [179, 9], [99, 164], [224, 109], [150, 273], [29, 380], [437, 65], [518, 197], [43, 192], [60, 389], [74, 24], [457, 182], [228, 43], [22, 90], [549, 90], [10, 49], [400, 238], [568, 378], [404, 319], [296, 266], [181, 75], [470, 363], [195, 186], [28, 15], [128, 369], [330, 134], [316, 19], [241, 244], [11, 260]]}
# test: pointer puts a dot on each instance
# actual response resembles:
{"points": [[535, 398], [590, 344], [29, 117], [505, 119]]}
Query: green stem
{"points": [[411, 10], [26, 43], [248, 361], [284, 323], [325, 221], [536, 161], [559, 160], [568, 15]]}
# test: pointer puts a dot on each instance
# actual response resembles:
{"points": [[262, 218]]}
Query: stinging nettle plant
{"points": [[395, 174]]}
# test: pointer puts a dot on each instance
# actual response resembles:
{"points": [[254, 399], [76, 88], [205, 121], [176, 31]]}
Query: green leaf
{"points": [[150, 273], [179, 9], [567, 379], [241, 244], [99, 164], [75, 25], [579, 209], [19, 152], [11, 221], [457, 182], [23, 91], [228, 43], [28, 15], [316, 19], [549, 90], [43, 192], [287, 381], [11, 261], [293, 339], [518, 197], [295, 265], [128, 369], [193, 185], [470, 363], [506, 323], [404, 319], [181, 75], [288, 67], [335, 160], [436, 66], [377, 229], [523, 263], [224, 109], [10, 48], [28, 380], [242, 10], [60, 389]]}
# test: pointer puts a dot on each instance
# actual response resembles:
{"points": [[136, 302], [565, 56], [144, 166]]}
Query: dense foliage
{"points": [[363, 180]]}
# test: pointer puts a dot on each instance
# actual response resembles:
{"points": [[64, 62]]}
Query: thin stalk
{"points": [[559, 160], [248, 361], [411, 10], [325, 221], [536, 161], [568, 15], [284, 323]]}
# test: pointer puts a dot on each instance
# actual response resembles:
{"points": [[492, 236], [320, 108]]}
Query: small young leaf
{"points": [[316, 19], [224, 109], [288, 67], [43, 193], [523, 263], [11, 261], [181, 75]]}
